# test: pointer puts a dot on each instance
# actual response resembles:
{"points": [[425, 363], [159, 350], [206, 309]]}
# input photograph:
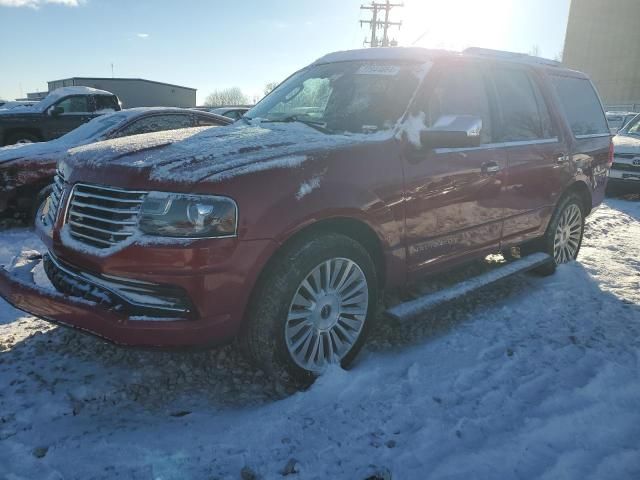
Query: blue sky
{"points": [[212, 44]]}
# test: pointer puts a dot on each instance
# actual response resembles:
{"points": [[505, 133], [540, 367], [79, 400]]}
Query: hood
{"points": [[626, 144], [194, 154], [18, 113], [31, 151]]}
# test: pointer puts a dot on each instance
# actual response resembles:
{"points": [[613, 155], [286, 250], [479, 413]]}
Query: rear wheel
{"points": [[563, 238], [312, 309]]}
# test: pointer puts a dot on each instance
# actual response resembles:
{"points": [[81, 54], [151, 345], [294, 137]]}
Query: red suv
{"points": [[365, 170]]}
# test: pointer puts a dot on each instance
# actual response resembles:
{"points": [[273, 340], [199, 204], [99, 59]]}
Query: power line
{"points": [[377, 9]]}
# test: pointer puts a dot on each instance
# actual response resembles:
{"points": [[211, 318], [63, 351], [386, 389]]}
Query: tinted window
{"points": [[581, 105], [156, 123], [77, 104], [460, 90], [524, 116], [105, 102], [207, 121]]}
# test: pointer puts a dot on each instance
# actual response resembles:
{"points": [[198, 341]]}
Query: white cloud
{"points": [[38, 3], [139, 35]]}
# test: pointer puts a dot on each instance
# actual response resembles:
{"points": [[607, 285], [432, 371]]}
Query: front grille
{"points": [[103, 216], [57, 189], [626, 167], [133, 297]]}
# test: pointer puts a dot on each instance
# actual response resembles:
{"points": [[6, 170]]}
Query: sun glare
{"points": [[455, 24]]}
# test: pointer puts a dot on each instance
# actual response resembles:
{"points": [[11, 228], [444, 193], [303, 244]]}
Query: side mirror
{"points": [[55, 111], [453, 131]]}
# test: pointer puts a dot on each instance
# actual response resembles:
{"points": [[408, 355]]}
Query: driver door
{"points": [[454, 196], [68, 114]]}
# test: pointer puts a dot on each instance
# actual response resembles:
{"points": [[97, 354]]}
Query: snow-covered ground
{"points": [[536, 378]]}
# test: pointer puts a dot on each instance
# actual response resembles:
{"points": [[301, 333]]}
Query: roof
{"points": [[419, 54], [416, 54], [110, 79]]}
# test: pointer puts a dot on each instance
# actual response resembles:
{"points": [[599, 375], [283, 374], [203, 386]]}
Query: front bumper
{"points": [[217, 302]]}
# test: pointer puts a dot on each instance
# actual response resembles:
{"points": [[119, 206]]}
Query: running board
{"points": [[413, 308]]}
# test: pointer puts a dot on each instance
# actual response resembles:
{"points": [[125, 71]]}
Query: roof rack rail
{"points": [[513, 56]]}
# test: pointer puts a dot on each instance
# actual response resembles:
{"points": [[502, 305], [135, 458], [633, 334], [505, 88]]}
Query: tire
{"points": [[21, 137], [283, 311], [562, 241]]}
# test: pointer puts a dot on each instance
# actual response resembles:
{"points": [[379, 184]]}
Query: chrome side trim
{"points": [[488, 146], [593, 135]]}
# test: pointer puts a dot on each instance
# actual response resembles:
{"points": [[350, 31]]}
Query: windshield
{"points": [[358, 97], [633, 127], [97, 127]]}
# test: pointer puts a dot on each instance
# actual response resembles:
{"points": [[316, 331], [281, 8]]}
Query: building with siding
{"points": [[136, 92], [603, 40]]}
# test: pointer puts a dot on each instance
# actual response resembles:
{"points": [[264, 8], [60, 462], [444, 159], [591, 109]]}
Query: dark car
{"points": [[232, 112], [624, 176], [58, 113], [27, 170], [366, 170]]}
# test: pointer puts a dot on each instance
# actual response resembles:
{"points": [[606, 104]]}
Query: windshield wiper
{"points": [[320, 126]]}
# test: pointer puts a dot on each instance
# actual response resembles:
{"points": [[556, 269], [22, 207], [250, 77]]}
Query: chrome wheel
{"points": [[327, 314], [568, 235]]}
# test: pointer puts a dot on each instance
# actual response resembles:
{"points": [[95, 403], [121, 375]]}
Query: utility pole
{"points": [[376, 9]]}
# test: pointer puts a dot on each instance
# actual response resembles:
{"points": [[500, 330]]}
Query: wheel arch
{"points": [[581, 189]]}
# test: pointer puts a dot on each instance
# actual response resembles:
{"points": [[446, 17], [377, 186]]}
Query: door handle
{"points": [[490, 168], [563, 158]]}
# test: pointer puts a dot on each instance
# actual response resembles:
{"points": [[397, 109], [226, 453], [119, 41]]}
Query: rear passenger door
{"points": [[537, 152]]}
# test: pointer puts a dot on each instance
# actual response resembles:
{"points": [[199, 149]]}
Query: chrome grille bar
{"points": [[102, 216]]}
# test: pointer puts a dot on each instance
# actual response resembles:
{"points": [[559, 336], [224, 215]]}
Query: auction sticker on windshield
{"points": [[373, 69]]}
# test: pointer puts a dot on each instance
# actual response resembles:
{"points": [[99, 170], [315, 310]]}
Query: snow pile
{"points": [[535, 378]]}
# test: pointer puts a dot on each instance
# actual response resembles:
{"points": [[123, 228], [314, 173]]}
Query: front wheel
{"points": [[312, 309], [563, 238]]}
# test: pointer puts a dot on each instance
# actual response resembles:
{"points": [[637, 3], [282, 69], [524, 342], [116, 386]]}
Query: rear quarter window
{"points": [[581, 106]]}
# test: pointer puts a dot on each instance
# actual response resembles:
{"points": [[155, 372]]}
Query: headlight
{"points": [[182, 215]]}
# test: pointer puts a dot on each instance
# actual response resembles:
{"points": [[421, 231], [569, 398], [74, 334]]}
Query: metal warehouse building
{"points": [[603, 40], [136, 92]]}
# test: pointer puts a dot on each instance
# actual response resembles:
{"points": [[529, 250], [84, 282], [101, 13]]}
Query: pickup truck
{"points": [[58, 113]]}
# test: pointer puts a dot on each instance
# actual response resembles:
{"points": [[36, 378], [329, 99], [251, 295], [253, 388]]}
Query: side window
{"points": [[106, 103], [581, 105], [207, 122], [77, 104], [156, 123], [524, 115], [460, 90]]}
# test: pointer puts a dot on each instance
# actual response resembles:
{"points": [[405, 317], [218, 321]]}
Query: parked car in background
{"points": [[27, 170], [6, 104], [232, 112], [58, 113], [617, 120], [624, 176], [285, 227]]}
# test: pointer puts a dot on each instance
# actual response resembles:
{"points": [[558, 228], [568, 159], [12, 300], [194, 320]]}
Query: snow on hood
{"points": [[53, 97], [193, 154], [626, 144]]}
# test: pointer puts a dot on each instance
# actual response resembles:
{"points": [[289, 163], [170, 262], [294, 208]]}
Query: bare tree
{"points": [[226, 97], [269, 87]]}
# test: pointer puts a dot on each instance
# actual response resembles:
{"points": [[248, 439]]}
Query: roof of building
{"points": [[125, 79]]}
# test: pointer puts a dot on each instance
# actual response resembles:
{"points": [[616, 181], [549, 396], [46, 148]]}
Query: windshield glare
{"points": [[358, 97]]}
